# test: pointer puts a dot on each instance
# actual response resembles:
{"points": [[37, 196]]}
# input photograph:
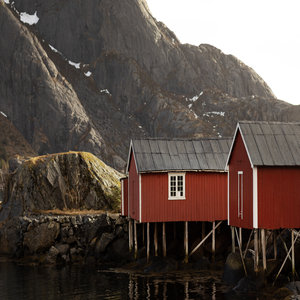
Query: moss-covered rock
{"points": [[64, 181]]}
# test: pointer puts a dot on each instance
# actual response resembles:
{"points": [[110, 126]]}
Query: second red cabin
{"points": [[177, 180], [264, 176]]}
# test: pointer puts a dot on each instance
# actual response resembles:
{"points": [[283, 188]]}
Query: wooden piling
{"points": [[248, 243], [143, 226], [241, 237], [148, 242], [202, 242], [213, 244], [164, 239], [130, 239], [186, 242], [203, 230], [263, 246], [174, 231], [293, 254], [275, 243], [256, 256], [241, 253], [135, 240], [232, 240], [155, 240]]}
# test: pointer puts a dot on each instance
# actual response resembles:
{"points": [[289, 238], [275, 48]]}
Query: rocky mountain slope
{"points": [[12, 142], [90, 75]]}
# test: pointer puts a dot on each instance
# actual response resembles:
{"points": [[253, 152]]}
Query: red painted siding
{"points": [[278, 197], [133, 179], [239, 161], [206, 198], [124, 202]]}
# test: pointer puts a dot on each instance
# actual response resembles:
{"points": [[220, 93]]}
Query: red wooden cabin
{"points": [[264, 176], [177, 180]]}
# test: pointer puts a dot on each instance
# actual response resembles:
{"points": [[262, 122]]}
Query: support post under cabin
{"points": [[148, 241], [213, 244], [164, 239], [186, 242], [275, 243], [263, 246], [241, 237], [256, 258], [293, 254], [135, 240], [155, 240], [232, 239], [130, 238]]}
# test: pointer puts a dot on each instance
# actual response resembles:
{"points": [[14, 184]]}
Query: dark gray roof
{"points": [[272, 143], [154, 155]]}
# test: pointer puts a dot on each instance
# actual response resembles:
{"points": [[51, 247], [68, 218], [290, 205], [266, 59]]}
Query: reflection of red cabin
{"points": [[264, 176], [177, 180]]}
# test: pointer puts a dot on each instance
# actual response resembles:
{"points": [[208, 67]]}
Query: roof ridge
{"points": [[267, 122], [181, 139]]}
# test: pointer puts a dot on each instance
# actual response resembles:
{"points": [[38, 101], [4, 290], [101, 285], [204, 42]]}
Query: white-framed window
{"points": [[176, 186]]}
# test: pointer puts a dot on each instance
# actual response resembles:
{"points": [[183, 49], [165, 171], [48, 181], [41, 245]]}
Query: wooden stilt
{"points": [[186, 242], [256, 256], [213, 243], [164, 239], [155, 240], [285, 248], [275, 243], [135, 240], [203, 230], [241, 237], [263, 246], [148, 242], [241, 254], [293, 243], [130, 239], [293, 254], [248, 243], [143, 226], [174, 231], [232, 240], [202, 242]]}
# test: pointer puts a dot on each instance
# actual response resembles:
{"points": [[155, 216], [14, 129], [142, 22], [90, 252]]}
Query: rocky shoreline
{"points": [[61, 239], [102, 240]]}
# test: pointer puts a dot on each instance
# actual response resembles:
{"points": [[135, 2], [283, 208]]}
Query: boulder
{"points": [[41, 237], [294, 287], [105, 240], [10, 236], [233, 269], [64, 181], [249, 284], [52, 255]]}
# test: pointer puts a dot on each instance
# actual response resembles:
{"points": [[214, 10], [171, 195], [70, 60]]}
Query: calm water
{"points": [[78, 282]]}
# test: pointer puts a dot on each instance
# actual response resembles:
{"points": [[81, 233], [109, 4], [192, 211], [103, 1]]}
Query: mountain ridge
{"points": [[111, 72]]}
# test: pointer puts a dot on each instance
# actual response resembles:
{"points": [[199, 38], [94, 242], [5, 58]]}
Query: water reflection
{"points": [[79, 282]]}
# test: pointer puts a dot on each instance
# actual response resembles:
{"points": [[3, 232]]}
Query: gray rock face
{"points": [[66, 181], [134, 79]]}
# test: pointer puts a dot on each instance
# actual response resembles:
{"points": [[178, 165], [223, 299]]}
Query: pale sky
{"points": [[264, 34]]}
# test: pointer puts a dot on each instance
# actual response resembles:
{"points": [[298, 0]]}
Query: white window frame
{"points": [[177, 197]]}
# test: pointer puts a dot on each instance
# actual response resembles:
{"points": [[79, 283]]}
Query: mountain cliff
{"points": [[91, 74]]}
